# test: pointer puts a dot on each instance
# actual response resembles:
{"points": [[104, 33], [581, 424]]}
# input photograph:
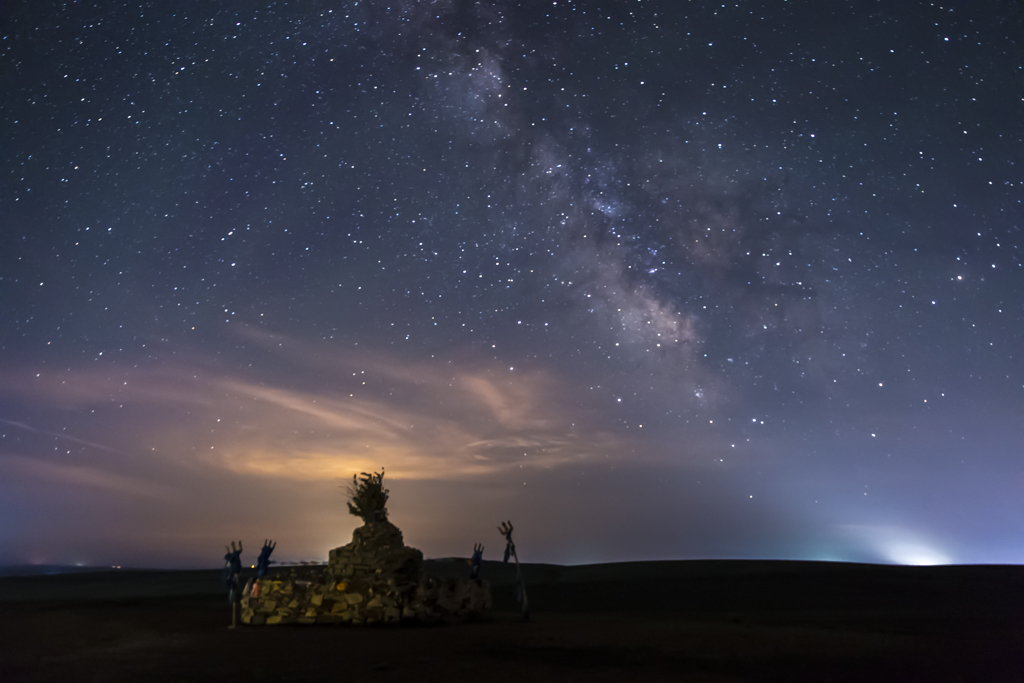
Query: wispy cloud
{"points": [[419, 419], [59, 435], [90, 475]]}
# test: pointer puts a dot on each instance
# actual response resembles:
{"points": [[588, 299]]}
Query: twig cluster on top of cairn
{"points": [[368, 497]]}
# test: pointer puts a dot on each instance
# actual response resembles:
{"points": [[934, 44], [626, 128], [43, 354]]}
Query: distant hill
{"points": [[654, 587], [46, 569]]}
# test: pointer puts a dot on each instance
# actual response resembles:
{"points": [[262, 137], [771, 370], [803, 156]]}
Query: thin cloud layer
{"points": [[420, 420]]}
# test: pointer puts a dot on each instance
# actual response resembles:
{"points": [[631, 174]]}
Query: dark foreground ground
{"points": [[654, 621]]}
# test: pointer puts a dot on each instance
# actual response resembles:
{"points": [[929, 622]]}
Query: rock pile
{"points": [[290, 601], [374, 579], [287, 601], [377, 554]]}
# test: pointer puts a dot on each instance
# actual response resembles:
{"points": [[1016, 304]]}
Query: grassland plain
{"points": [[650, 621]]}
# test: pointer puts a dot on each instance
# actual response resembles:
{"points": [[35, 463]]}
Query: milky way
{"points": [[653, 279]]}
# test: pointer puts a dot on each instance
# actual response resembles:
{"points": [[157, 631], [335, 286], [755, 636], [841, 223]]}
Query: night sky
{"points": [[653, 280]]}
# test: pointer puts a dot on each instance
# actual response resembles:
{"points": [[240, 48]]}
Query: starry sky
{"points": [[653, 280]]}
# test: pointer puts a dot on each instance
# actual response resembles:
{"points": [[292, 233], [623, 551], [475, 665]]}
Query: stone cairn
{"points": [[374, 579]]}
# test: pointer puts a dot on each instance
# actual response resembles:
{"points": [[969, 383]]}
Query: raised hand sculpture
{"points": [[232, 568], [478, 556], [506, 530], [263, 562]]}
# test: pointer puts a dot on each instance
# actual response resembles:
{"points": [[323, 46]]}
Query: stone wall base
{"points": [[293, 601]]}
